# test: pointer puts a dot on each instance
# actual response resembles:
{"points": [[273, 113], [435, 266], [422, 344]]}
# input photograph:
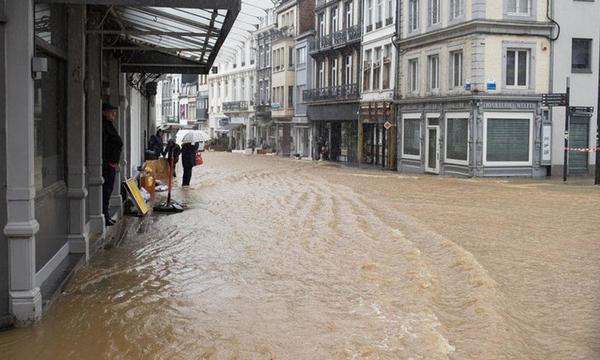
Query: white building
{"points": [[575, 55], [231, 95], [472, 75], [376, 143]]}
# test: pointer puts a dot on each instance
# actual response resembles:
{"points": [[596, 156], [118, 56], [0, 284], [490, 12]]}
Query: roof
{"points": [[163, 36]]}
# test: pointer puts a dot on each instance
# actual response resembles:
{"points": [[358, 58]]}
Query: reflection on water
{"points": [[279, 259]]}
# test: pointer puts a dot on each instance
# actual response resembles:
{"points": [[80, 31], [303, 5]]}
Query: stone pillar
{"points": [[124, 127], [116, 204], [21, 226], [77, 192], [94, 130]]}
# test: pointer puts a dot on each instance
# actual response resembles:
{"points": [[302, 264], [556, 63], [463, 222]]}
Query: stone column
{"points": [[124, 127], [116, 204], [21, 227], [94, 130], [77, 192]]}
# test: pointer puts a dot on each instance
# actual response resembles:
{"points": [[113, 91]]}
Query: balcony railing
{"points": [[235, 106], [338, 38], [341, 92]]}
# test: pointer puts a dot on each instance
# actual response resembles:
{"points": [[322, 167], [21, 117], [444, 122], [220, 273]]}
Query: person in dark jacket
{"points": [[111, 155], [188, 160], [172, 151], [155, 145]]}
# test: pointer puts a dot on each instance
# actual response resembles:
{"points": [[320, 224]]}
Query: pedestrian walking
{"points": [[155, 145], [112, 144], [172, 152], [188, 160]]}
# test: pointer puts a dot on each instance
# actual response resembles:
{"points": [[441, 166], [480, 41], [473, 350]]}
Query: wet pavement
{"points": [[284, 259]]}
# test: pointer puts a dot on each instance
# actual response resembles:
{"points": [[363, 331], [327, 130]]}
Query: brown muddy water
{"points": [[283, 259]]}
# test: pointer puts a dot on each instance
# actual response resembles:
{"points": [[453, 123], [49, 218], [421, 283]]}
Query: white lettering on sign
{"points": [[547, 144]]}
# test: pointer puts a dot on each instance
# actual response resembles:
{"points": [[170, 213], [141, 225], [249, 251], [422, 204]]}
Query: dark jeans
{"points": [[187, 176], [108, 173]]}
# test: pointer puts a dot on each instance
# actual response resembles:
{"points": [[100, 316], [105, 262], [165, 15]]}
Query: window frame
{"points": [[528, 67], [412, 116], [588, 70], [454, 116], [532, 5], [413, 80], [430, 78], [430, 13], [452, 72], [413, 16], [508, 115]]}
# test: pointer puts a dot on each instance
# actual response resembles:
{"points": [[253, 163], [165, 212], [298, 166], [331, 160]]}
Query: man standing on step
{"points": [[111, 154]]}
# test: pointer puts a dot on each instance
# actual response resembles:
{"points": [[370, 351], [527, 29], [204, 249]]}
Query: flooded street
{"points": [[283, 259]]}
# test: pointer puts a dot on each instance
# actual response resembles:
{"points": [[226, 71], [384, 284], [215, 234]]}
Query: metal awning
{"points": [[163, 36]]}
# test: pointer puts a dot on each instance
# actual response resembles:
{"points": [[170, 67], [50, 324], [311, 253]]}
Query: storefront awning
{"points": [[163, 36]]}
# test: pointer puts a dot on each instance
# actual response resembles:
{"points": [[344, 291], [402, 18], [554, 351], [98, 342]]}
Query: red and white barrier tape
{"points": [[578, 149]]}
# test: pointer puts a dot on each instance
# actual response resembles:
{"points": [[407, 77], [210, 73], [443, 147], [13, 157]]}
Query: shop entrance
{"points": [[579, 136], [432, 154], [375, 145]]}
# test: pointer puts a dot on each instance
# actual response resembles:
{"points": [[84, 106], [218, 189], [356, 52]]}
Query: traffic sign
{"points": [[556, 99], [387, 125]]}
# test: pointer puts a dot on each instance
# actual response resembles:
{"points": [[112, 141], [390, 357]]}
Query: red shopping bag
{"points": [[199, 160]]}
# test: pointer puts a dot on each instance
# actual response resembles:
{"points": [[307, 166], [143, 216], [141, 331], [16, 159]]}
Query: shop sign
{"points": [[546, 144], [387, 125]]}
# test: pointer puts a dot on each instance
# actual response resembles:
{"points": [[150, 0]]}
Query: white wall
{"points": [[578, 19]]}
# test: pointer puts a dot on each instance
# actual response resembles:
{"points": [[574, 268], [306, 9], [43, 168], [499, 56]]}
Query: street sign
{"points": [[387, 125], [557, 99], [581, 109]]}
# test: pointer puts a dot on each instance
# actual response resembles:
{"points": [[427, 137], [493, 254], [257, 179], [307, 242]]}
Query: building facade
{"points": [[472, 73], [231, 96], [302, 129], [283, 75], [376, 127], [265, 127], [578, 42], [334, 96]]}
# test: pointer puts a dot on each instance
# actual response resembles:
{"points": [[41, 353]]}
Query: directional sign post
{"points": [[558, 99]]}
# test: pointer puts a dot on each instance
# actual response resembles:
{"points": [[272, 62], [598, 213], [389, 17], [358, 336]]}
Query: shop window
{"points": [[508, 139], [457, 140], [581, 56], [411, 138], [50, 124]]}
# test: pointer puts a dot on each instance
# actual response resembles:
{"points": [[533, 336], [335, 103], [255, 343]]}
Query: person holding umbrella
{"points": [[188, 160]]}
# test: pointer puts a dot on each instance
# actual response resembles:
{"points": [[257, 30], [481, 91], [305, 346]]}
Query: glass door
{"points": [[432, 164]]}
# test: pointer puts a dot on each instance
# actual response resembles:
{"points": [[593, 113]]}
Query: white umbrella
{"points": [[191, 136]]}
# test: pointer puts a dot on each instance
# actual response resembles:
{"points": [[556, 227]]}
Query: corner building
{"points": [[471, 77]]}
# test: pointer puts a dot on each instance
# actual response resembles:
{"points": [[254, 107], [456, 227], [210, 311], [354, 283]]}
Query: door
{"points": [[579, 135], [432, 153]]}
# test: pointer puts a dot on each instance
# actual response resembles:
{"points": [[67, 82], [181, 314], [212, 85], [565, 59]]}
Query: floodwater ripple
{"points": [[280, 259]]}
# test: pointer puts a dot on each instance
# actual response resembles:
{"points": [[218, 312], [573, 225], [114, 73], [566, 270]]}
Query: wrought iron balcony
{"points": [[235, 106], [339, 38], [341, 92]]}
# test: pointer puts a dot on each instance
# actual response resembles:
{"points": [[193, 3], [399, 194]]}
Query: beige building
{"points": [[471, 76], [283, 76]]}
